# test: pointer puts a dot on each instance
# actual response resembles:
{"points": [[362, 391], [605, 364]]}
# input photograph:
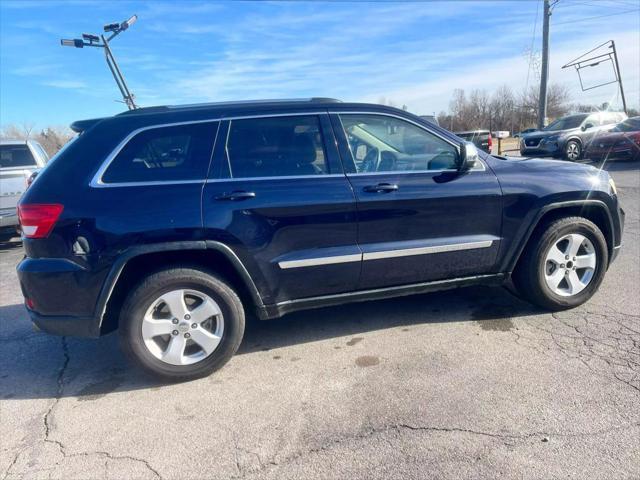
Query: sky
{"points": [[408, 53]]}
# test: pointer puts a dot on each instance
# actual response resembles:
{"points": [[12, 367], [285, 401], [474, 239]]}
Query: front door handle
{"points": [[236, 195], [381, 188]]}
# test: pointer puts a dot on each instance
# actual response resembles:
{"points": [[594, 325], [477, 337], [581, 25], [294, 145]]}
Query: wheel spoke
{"points": [[586, 261], [575, 241], [555, 255], [555, 278], [175, 303], [205, 310], [175, 351], [575, 285], [206, 340], [152, 327]]}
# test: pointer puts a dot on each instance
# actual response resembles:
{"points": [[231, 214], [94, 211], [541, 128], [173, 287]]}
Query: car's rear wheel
{"points": [[563, 265], [181, 323], [573, 150]]}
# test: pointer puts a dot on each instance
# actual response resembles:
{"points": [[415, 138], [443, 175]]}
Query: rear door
{"points": [[279, 198], [419, 219]]}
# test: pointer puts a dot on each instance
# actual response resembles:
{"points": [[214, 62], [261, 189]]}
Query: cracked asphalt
{"points": [[470, 383]]}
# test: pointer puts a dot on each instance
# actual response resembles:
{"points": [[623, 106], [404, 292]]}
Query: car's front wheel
{"points": [[563, 265], [572, 150], [181, 323]]}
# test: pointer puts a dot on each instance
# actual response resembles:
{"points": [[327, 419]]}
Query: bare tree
{"points": [[51, 138]]}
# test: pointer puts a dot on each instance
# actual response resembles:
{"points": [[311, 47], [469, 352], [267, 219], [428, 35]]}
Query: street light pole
{"points": [[89, 40]]}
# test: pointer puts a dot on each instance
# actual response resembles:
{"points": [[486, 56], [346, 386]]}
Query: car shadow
{"points": [[37, 365]]}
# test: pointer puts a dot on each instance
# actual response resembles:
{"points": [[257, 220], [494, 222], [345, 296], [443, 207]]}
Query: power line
{"points": [[599, 16]]}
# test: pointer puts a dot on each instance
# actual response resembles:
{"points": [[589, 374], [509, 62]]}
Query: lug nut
{"points": [[194, 325], [174, 321], [566, 257], [574, 259], [562, 265], [175, 332], [187, 335], [187, 317]]}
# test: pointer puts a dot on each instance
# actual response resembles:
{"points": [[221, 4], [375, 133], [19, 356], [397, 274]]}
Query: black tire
{"points": [[529, 276], [573, 151], [156, 284]]}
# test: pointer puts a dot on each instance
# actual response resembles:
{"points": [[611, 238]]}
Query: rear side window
{"points": [[276, 147], [16, 156], [164, 154]]}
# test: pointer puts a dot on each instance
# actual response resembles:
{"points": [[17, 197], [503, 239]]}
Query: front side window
{"points": [[164, 154], [276, 147], [380, 143]]}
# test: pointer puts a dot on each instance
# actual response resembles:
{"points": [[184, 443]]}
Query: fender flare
{"points": [[513, 258], [116, 270]]}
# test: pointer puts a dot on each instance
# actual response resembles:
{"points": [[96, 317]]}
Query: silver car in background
{"points": [[19, 159]]}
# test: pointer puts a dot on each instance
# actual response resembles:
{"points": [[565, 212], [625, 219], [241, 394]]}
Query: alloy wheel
{"points": [[573, 151], [182, 327], [570, 265]]}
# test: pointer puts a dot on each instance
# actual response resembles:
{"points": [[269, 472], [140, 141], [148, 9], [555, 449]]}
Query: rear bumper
{"points": [[66, 325], [61, 295], [8, 217]]}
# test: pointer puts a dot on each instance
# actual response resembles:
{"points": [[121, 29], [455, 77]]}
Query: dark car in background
{"points": [[524, 132], [621, 142], [169, 223], [480, 138], [569, 136]]}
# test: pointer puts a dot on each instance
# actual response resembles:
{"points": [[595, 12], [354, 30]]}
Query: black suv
{"points": [[568, 137], [170, 223]]}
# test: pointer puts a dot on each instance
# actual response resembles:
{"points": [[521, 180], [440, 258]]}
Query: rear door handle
{"points": [[236, 195], [381, 188]]}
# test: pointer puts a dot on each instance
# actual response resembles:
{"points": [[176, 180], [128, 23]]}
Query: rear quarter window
{"points": [[164, 154], [16, 156]]}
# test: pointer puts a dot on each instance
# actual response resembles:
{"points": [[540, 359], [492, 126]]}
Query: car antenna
{"points": [[102, 41]]}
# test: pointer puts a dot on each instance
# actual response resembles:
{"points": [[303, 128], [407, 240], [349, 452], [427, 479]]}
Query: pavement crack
{"points": [[48, 427]]}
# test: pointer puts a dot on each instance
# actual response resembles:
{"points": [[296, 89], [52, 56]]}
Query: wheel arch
{"points": [[140, 261], [593, 210]]}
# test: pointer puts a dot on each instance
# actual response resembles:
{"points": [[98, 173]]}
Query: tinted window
{"points": [[276, 147], [16, 156], [630, 125], [566, 123], [386, 144], [164, 154]]}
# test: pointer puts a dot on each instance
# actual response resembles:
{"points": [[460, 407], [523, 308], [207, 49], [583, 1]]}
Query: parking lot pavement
{"points": [[468, 383]]}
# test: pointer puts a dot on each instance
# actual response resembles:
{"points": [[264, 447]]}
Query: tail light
{"points": [[37, 219], [490, 144]]}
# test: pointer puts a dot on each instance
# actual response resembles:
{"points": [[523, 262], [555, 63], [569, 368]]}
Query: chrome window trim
{"points": [[366, 256], [284, 177], [96, 180], [422, 127]]}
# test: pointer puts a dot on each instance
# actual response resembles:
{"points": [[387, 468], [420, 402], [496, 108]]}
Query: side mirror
{"points": [[469, 156], [586, 126]]}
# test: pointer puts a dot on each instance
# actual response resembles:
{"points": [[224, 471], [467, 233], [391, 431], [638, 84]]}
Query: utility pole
{"points": [[615, 57], [544, 74]]}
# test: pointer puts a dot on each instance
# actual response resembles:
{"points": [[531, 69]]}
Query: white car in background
{"points": [[19, 159]]}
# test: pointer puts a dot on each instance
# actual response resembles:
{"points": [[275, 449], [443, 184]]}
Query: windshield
{"points": [[16, 156], [630, 125], [566, 123]]}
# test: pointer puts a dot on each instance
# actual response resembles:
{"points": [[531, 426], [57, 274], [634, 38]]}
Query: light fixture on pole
{"points": [[102, 41]]}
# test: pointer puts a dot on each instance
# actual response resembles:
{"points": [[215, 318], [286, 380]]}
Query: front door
{"points": [[419, 219], [279, 198]]}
